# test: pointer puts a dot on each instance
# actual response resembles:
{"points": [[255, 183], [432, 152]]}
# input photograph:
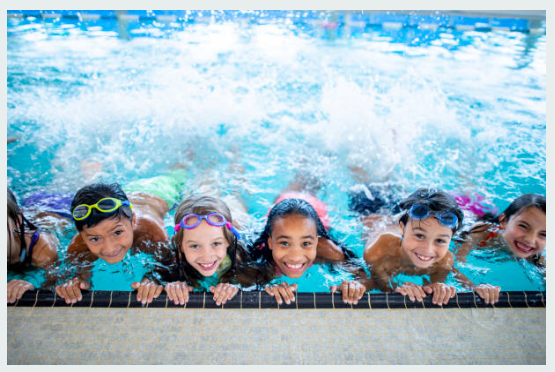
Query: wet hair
{"points": [[518, 206], [15, 214], [436, 200], [91, 194], [203, 205], [290, 207]]}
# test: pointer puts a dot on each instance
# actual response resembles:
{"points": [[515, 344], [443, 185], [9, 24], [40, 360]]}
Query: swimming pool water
{"points": [[460, 110]]}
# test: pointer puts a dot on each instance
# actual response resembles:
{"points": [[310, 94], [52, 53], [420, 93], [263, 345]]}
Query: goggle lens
{"points": [[106, 205], [446, 218]]}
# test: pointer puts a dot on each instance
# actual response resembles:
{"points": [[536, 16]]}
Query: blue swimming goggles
{"points": [[105, 205], [420, 212], [192, 220]]}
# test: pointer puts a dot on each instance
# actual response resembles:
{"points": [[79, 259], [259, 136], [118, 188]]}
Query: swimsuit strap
{"points": [[34, 240], [492, 234]]}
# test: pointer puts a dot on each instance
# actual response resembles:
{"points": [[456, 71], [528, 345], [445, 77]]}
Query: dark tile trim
{"points": [[261, 300]]}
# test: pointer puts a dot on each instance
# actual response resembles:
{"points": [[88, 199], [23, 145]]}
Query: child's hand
{"points": [[488, 292], [147, 290], [352, 291], [71, 290], [414, 291], [223, 292], [282, 290], [178, 292], [16, 288], [442, 293]]}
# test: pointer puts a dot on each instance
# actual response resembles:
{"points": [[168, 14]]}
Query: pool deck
{"points": [[88, 335]]}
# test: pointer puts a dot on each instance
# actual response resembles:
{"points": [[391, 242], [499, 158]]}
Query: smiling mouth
{"points": [[523, 247], [294, 267], [208, 266], [113, 255], [423, 258]]}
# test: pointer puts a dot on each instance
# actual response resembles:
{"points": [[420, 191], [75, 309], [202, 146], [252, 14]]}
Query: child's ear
{"points": [[502, 220], [134, 221], [269, 242]]}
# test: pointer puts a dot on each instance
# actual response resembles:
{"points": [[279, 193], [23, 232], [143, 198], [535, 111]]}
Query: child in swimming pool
{"points": [[293, 239], [30, 250], [207, 248], [520, 229], [110, 225], [417, 245]]}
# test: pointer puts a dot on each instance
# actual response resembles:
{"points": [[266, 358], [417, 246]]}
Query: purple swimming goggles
{"points": [[192, 220]]}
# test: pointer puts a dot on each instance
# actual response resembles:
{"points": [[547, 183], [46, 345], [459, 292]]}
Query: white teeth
{"points": [[294, 266], [524, 247], [207, 265], [423, 258]]}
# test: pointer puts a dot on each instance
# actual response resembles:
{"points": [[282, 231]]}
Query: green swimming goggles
{"points": [[105, 205]]}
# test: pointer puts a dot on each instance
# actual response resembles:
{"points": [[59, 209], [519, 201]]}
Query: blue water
{"points": [[460, 110]]}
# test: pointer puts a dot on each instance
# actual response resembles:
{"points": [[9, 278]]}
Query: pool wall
{"points": [[261, 300]]}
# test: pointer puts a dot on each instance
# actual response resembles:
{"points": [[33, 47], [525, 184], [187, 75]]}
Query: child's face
{"points": [[204, 247], [293, 244], [525, 232], [425, 241], [110, 239]]}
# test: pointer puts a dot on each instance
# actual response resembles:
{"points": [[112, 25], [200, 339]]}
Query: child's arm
{"points": [[79, 258], [151, 237], [488, 292], [477, 233], [381, 256]]}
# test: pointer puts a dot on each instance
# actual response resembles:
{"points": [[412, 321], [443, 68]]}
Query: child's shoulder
{"points": [[386, 243]]}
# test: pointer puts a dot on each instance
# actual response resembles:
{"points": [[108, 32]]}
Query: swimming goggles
{"points": [[420, 212], [192, 220], [105, 205]]}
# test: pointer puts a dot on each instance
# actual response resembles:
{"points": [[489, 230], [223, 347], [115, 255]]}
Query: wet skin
{"points": [[205, 247], [425, 242], [525, 233], [293, 243]]}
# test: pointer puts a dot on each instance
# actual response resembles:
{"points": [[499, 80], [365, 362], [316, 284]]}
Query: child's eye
{"points": [[217, 244], [524, 227], [307, 244], [441, 241], [118, 232], [284, 243], [542, 235], [94, 240], [193, 246], [420, 236]]}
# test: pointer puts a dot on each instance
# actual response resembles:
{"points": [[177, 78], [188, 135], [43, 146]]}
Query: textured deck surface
{"points": [[42, 335]]}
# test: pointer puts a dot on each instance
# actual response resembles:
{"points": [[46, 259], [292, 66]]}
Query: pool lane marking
{"points": [[457, 299], [543, 302], [314, 299], [333, 300], [53, 303], [526, 299], [241, 301], [387, 300], [37, 298], [405, 302], [259, 300], [509, 300], [129, 300], [92, 299], [474, 297], [110, 304], [203, 300], [369, 303]]}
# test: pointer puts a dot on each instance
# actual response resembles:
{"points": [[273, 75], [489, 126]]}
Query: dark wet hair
{"points": [[15, 213], [91, 194], [517, 207], [436, 200], [290, 207]]}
